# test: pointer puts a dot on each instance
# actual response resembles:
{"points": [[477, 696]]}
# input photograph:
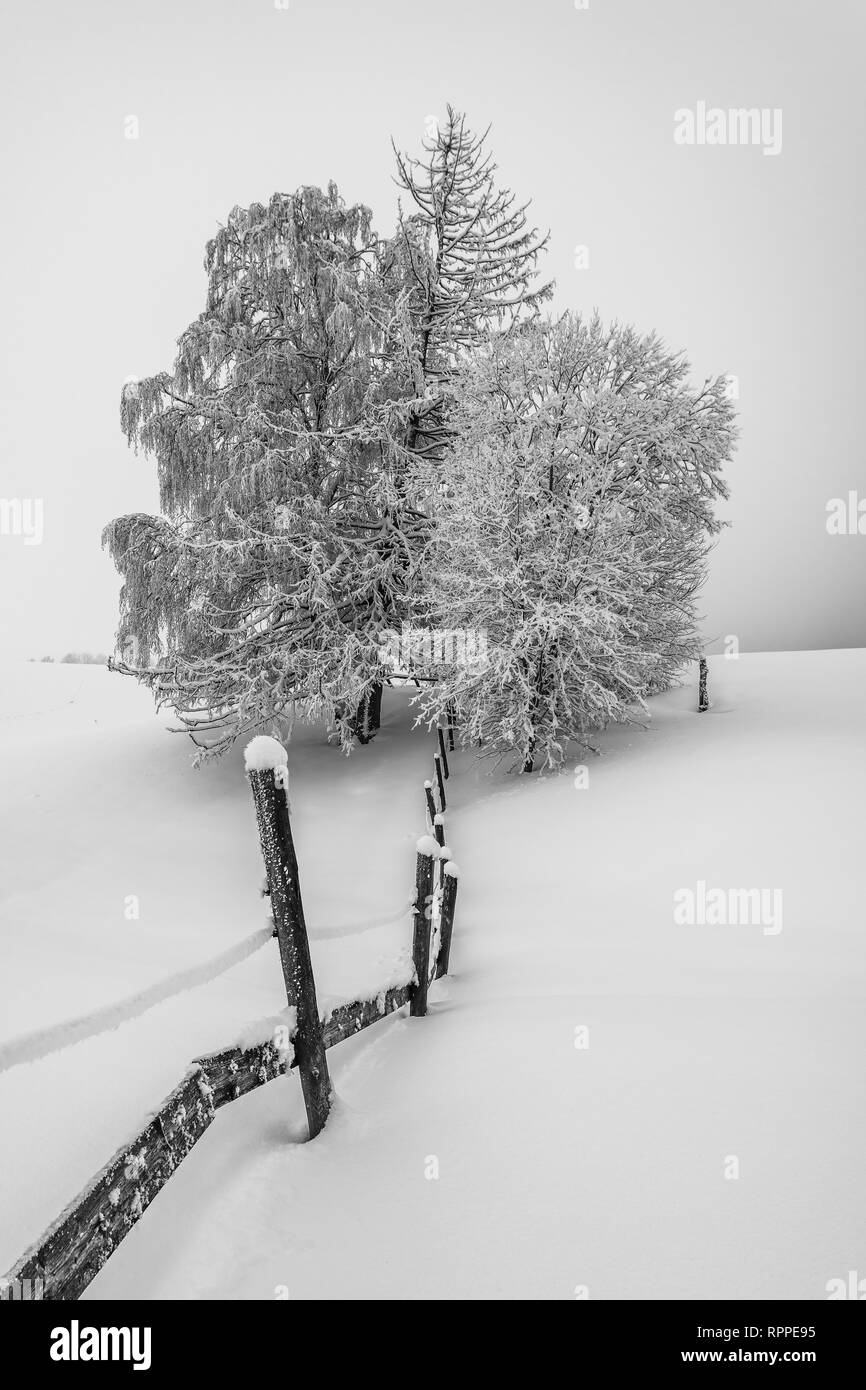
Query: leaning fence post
{"points": [[440, 731], [267, 768], [439, 828], [450, 876], [437, 763], [703, 698], [428, 851], [431, 804]]}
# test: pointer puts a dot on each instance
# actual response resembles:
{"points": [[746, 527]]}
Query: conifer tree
{"points": [[465, 259], [469, 265]]}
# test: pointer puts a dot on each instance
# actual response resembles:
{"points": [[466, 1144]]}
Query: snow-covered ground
{"points": [[102, 817], [571, 1114]]}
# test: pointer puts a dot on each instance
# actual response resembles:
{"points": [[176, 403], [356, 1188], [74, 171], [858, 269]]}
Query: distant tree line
{"points": [[78, 659]]}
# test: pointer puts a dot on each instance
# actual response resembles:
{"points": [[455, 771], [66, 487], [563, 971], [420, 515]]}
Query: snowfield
{"points": [[604, 1101]]}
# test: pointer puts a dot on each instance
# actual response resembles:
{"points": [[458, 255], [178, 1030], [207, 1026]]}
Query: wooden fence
{"points": [[65, 1259]]}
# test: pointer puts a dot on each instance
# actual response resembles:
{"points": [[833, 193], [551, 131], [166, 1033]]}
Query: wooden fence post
{"points": [[431, 805], [450, 876], [437, 763], [450, 714], [442, 752], [439, 828], [703, 698], [427, 853], [267, 768]]}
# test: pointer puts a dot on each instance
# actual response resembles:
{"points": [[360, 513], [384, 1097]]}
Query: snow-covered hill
{"points": [[572, 1112]]}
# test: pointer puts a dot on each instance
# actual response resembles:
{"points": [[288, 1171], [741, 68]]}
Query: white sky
{"points": [[754, 264]]}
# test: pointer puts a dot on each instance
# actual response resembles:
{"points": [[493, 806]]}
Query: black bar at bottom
{"points": [[649, 1335]]}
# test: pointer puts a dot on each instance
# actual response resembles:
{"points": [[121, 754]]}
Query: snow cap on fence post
{"points": [[265, 754]]}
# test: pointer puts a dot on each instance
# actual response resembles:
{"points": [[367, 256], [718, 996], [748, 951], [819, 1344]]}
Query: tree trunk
{"points": [[367, 719], [534, 707]]}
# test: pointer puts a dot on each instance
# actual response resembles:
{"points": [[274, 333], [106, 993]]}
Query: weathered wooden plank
{"points": [[235, 1071], [71, 1252], [350, 1019], [75, 1247]]}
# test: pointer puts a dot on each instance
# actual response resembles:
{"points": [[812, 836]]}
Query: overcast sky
{"points": [[752, 262]]}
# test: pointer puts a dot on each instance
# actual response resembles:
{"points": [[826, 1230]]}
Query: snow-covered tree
{"points": [[571, 537], [260, 587], [285, 435]]}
